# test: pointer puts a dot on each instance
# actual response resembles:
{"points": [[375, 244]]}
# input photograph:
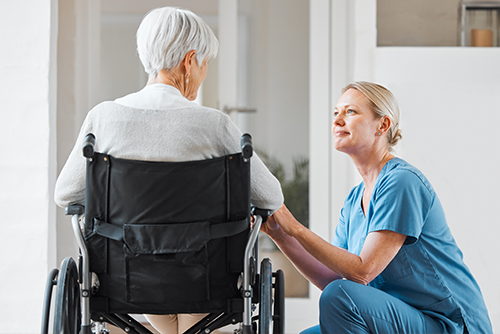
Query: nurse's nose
{"points": [[338, 120]]}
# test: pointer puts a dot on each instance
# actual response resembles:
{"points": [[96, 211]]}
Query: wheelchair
{"points": [[166, 238]]}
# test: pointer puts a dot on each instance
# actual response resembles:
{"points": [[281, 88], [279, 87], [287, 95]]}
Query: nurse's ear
{"points": [[384, 125]]}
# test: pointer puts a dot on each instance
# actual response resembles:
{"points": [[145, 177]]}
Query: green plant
{"points": [[296, 188]]}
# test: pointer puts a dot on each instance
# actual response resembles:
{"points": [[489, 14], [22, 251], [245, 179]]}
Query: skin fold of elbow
{"points": [[361, 277]]}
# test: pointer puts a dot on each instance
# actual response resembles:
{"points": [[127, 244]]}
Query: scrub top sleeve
{"points": [[400, 203], [340, 238]]}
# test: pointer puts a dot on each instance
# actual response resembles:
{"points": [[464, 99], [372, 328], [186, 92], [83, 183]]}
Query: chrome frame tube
{"points": [[85, 284], [247, 288]]}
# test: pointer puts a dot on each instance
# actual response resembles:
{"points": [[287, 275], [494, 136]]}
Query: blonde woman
{"points": [[393, 266]]}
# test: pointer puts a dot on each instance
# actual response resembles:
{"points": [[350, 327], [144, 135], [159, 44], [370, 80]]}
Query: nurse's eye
{"points": [[335, 113], [350, 111]]}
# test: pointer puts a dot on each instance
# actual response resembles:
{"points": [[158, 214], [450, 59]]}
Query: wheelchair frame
{"points": [[74, 286]]}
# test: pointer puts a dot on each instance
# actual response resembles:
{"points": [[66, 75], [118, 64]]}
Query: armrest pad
{"points": [[75, 209]]}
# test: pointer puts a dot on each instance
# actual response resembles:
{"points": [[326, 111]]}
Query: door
{"points": [[263, 84]]}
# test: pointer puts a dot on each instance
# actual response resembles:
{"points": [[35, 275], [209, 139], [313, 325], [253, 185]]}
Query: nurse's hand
{"points": [[282, 221], [270, 227]]}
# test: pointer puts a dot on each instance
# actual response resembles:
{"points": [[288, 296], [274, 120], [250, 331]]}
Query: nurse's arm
{"points": [[312, 269], [379, 249]]}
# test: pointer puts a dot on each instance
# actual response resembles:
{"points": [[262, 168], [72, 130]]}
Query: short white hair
{"points": [[167, 34]]}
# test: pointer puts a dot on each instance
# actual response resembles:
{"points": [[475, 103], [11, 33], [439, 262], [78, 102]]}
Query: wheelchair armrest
{"points": [[75, 209], [261, 212]]}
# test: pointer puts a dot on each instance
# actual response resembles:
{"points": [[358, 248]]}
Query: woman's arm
{"points": [[70, 184], [378, 250], [265, 189]]}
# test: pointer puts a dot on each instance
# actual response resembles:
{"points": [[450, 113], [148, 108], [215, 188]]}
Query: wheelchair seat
{"points": [[171, 237]]}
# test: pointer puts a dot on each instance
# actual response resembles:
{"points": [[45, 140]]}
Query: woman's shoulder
{"points": [[105, 106], [404, 174], [210, 112], [198, 110]]}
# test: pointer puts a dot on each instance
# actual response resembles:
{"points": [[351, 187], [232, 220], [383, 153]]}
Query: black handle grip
{"points": [[74, 209], [261, 212], [88, 146], [246, 145]]}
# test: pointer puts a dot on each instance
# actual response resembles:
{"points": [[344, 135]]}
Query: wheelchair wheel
{"points": [[51, 281], [265, 316], [67, 317], [279, 302]]}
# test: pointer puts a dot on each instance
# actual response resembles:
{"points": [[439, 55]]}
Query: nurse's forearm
{"points": [[378, 251], [313, 270]]}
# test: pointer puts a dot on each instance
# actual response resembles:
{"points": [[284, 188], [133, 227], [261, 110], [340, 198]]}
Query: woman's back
{"points": [[181, 131]]}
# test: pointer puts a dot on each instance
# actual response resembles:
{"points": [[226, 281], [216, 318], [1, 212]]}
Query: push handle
{"points": [[264, 213], [74, 209], [88, 146], [246, 145]]}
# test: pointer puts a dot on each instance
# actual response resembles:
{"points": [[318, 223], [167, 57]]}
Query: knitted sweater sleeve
{"points": [[70, 185], [266, 190]]}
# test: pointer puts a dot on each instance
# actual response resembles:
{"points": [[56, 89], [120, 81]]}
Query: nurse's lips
{"points": [[341, 133]]}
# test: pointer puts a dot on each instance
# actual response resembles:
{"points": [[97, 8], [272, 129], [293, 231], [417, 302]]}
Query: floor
{"points": [[115, 330]]}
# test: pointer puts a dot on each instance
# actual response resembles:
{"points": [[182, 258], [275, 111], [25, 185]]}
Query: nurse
{"points": [[394, 266]]}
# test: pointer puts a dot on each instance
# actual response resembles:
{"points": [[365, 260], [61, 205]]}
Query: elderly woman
{"points": [[162, 123], [394, 266]]}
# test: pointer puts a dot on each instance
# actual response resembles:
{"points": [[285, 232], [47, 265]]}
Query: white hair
{"points": [[167, 34]]}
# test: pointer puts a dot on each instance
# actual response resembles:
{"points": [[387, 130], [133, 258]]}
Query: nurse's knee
{"points": [[335, 296], [331, 296]]}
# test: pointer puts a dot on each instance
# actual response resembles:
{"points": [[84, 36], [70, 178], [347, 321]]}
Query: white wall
{"points": [[450, 101], [28, 32], [67, 120]]}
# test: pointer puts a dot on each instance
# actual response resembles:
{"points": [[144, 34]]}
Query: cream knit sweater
{"points": [[182, 131]]}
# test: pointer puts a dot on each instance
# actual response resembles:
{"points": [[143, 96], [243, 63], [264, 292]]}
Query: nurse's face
{"points": [[355, 126]]}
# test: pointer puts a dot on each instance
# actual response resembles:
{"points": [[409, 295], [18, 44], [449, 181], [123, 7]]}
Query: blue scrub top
{"points": [[428, 272]]}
